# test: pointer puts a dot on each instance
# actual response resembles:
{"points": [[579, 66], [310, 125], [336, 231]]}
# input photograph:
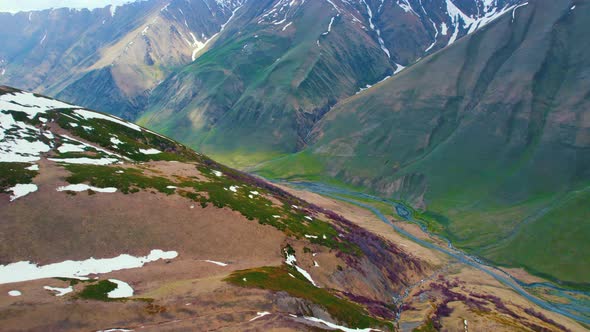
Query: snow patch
{"points": [[115, 140], [94, 115], [29, 103], [26, 270], [150, 151], [59, 291], [83, 187], [335, 326], [67, 147], [123, 290], [292, 261], [85, 161], [21, 190]]}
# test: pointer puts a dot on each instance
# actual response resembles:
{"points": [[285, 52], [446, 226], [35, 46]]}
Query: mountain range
{"points": [[472, 113]]}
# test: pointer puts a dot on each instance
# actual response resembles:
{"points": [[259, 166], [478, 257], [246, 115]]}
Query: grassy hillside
{"points": [[99, 185]]}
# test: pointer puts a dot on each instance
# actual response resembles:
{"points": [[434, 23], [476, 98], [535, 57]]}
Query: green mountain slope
{"points": [[257, 92], [279, 66], [490, 136]]}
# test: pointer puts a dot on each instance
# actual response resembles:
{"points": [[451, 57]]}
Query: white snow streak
{"points": [[292, 261], [59, 291], [83, 187], [260, 314], [335, 326], [215, 262], [150, 151]]}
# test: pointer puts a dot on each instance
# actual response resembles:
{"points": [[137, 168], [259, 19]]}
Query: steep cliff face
{"points": [[491, 133]]}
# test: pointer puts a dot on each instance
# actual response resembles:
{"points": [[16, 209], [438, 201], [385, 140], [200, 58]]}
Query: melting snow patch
{"points": [[29, 103], [15, 293], [25, 270], [335, 326], [116, 140], [217, 173], [292, 261], [254, 193], [309, 218], [260, 314], [171, 187], [15, 136], [123, 290], [316, 264], [59, 291], [276, 216], [21, 190], [86, 161], [84, 187], [150, 151], [234, 188], [215, 262], [94, 115], [34, 167], [115, 330], [311, 236], [67, 147]]}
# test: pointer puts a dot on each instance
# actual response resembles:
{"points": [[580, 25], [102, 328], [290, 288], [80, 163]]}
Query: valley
{"points": [[352, 165], [103, 187]]}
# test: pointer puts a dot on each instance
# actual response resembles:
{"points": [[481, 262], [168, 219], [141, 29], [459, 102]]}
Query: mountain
{"points": [[109, 58], [279, 67], [489, 137], [196, 70], [110, 226]]}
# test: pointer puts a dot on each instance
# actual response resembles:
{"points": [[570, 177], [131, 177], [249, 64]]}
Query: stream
{"points": [[577, 308]]}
